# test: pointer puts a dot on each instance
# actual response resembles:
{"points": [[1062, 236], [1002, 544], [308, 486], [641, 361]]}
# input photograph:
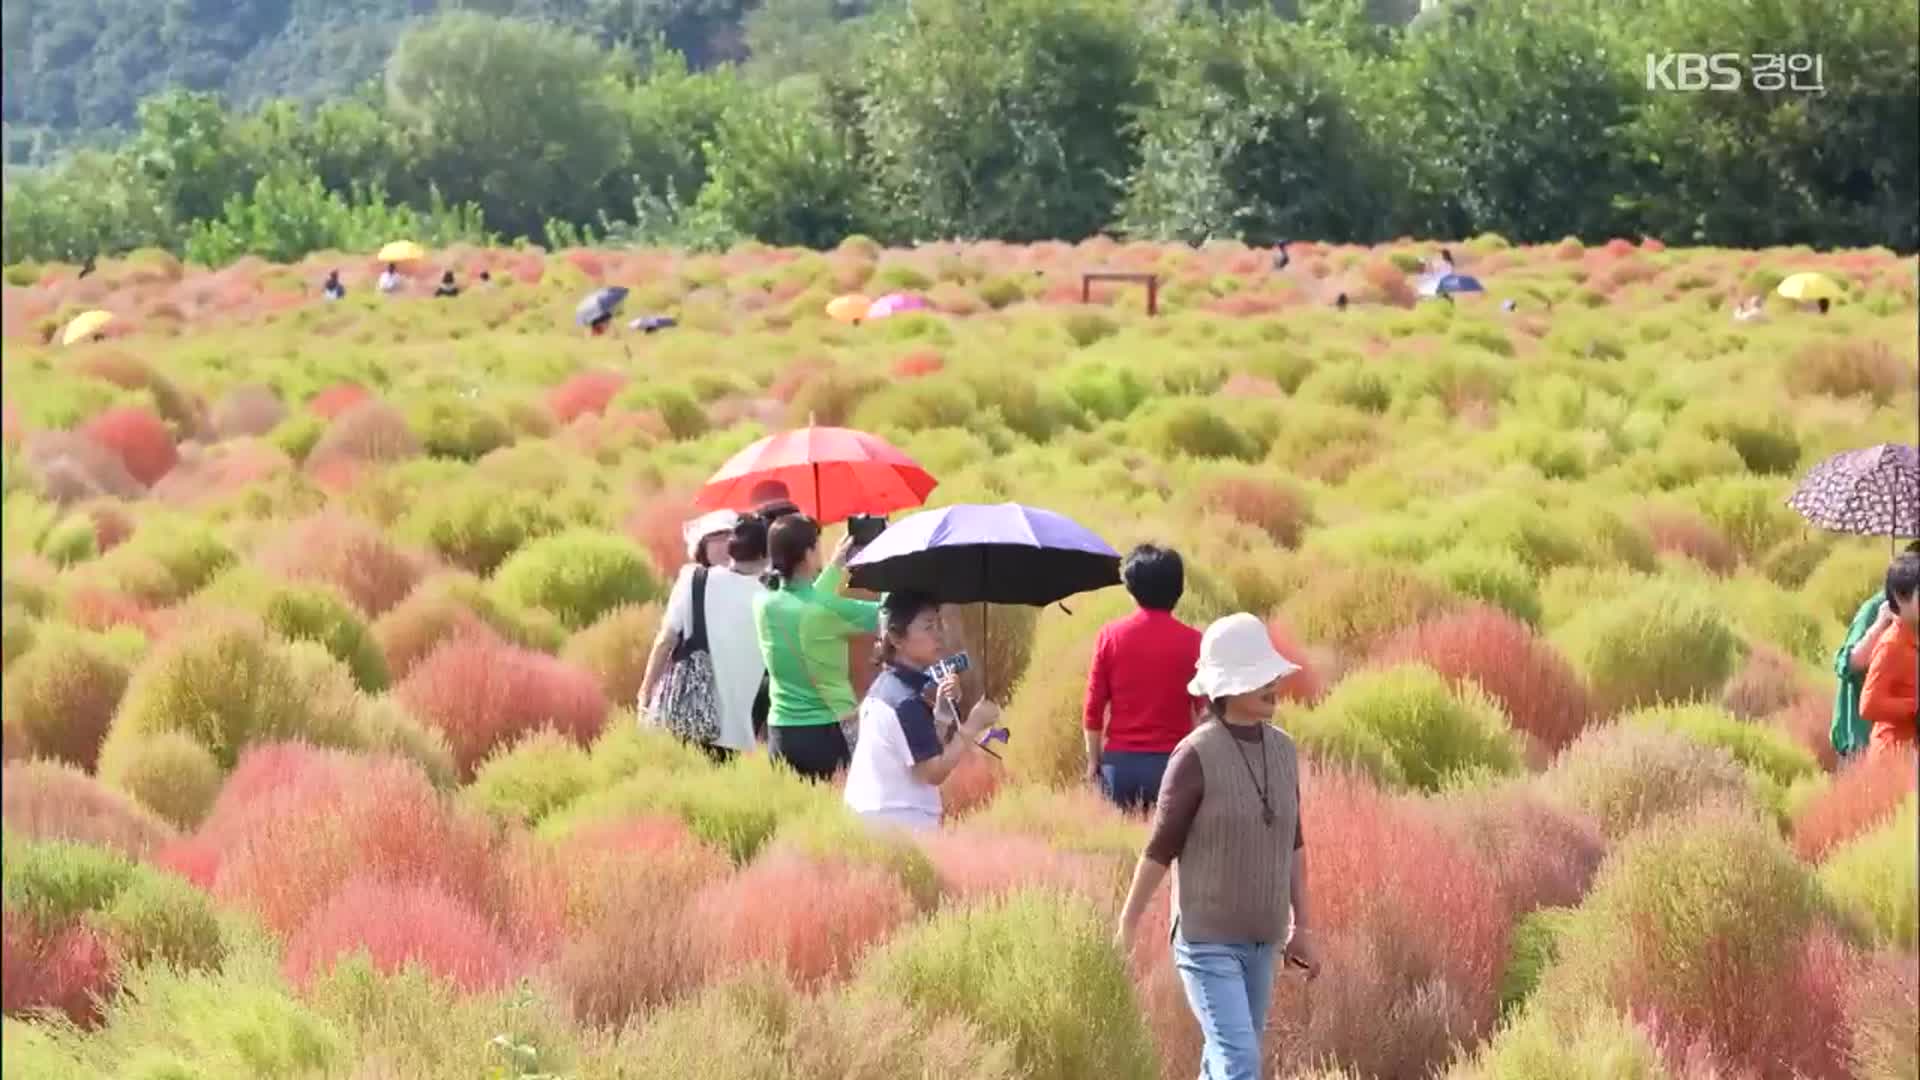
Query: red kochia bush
{"points": [[587, 392], [1864, 793], [1275, 507], [1538, 689], [69, 970], [295, 824], [1308, 685], [350, 554], [46, 800], [1808, 720], [1413, 929], [918, 363], [655, 525], [973, 863], [1542, 855], [335, 400], [1768, 682], [1687, 534], [484, 694], [139, 438], [812, 917], [400, 926]]}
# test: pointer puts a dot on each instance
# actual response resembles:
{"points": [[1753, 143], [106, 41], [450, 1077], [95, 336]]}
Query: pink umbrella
{"points": [[895, 303]]}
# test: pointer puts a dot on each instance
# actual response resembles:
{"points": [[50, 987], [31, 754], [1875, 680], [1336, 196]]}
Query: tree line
{"points": [[1027, 120]]}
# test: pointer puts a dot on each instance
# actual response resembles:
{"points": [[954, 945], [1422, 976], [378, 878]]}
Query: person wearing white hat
{"points": [[1227, 824], [728, 554]]}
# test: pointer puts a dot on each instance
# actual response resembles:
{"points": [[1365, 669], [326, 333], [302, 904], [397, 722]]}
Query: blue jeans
{"points": [[1132, 778], [1229, 988]]}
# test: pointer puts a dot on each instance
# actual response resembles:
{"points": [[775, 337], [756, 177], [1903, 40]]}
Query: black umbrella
{"points": [[1870, 492], [1007, 554], [599, 304]]}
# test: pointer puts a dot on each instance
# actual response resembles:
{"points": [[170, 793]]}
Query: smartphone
{"points": [[865, 528]]}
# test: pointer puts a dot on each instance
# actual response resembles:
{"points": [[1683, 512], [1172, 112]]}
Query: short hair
{"points": [[1903, 579], [748, 541], [1155, 576]]}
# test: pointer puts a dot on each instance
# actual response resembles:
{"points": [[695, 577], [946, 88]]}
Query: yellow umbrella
{"points": [[85, 325], [1810, 286], [850, 308], [402, 251]]}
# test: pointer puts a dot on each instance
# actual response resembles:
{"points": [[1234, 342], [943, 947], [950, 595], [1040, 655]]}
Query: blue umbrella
{"points": [[599, 304], [651, 323], [973, 554], [1448, 284]]}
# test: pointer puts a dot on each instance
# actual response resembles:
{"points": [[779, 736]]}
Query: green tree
{"points": [[783, 173], [521, 118], [1754, 168], [1520, 119], [1249, 135], [1005, 119]]}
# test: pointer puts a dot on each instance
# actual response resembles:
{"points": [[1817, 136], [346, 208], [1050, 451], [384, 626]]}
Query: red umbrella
{"points": [[830, 473]]}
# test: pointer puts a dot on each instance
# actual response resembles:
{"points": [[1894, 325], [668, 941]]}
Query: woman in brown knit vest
{"points": [[1228, 822]]}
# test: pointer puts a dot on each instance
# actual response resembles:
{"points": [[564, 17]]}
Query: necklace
{"points": [[1259, 788]]}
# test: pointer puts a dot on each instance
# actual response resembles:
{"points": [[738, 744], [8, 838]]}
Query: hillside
{"points": [[82, 67]]}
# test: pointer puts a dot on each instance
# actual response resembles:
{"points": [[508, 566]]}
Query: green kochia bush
{"points": [[477, 525], [1707, 921], [1875, 879], [1660, 643], [148, 914], [307, 611], [1627, 775], [735, 808], [536, 776], [578, 575], [1429, 729], [1768, 752], [226, 685], [1068, 1009], [1596, 1044]]}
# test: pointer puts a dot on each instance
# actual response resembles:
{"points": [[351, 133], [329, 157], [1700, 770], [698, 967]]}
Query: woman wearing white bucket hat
{"points": [[727, 554], [1228, 824]]}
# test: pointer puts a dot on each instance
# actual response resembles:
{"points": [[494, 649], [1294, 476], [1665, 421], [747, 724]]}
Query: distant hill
{"points": [[74, 67]]}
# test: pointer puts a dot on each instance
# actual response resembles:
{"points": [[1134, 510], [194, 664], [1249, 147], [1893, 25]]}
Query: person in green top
{"points": [[803, 624], [1850, 734]]}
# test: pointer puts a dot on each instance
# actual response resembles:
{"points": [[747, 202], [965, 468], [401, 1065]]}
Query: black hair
{"points": [[897, 612], [789, 541], [448, 276], [1903, 579], [749, 541], [1913, 547], [1447, 255], [700, 553], [1155, 576]]}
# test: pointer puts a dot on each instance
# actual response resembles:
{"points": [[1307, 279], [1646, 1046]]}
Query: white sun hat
{"points": [[706, 525], [1237, 657]]}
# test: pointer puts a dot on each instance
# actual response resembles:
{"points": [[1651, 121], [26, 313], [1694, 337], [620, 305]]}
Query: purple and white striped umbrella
{"points": [[1870, 492]]}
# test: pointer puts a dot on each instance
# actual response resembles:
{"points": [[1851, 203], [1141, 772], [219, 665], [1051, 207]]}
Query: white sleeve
{"points": [[679, 617]]}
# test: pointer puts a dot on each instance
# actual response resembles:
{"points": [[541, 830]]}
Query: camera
{"points": [[952, 665], [865, 528]]}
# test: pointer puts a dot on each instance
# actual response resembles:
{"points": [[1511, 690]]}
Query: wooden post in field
{"points": [[1151, 281]]}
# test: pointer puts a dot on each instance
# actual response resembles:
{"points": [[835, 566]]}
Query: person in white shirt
{"points": [[900, 762], [730, 552], [390, 279]]}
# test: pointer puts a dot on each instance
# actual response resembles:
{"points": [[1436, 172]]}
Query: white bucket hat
{"points": [[720, 521], [1237, 657]]}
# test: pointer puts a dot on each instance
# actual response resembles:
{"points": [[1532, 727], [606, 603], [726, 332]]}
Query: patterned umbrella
{"points": [[1869, 492]]}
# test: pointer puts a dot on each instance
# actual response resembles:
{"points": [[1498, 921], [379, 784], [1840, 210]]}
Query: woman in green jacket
{"points": [[803, 624]]}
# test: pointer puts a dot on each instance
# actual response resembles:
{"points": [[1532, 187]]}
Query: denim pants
{"points": [[1229, 988], [1132, 777]]}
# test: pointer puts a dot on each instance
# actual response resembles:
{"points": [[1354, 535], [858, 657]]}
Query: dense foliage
{"points": [[324, 624], [807, 121]]}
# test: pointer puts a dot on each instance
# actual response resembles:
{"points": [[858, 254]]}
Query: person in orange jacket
{"points": [[1890, 697]]}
